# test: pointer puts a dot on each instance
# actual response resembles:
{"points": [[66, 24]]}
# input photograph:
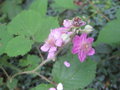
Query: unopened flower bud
{"points": [[88, 29]]}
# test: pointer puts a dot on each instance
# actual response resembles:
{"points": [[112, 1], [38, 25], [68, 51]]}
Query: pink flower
{"points": [[54, 41], [66, 63], [52, 88], [83, 46]]}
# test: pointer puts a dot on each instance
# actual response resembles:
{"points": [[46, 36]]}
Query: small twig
{"points": [[5, 72], [40, 54], [43, 77]]}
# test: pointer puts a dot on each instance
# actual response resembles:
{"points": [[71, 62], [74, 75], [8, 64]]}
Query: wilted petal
{"points": [[91, 52], [82, 56], [82, 23], [45, 47], [52, 88], [66, 63]]}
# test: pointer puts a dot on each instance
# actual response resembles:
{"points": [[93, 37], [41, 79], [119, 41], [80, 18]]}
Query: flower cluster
{"points": [[60, 36], [57, 38]]}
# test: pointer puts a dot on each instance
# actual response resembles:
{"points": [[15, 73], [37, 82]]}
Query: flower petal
{"points": [[59, 42], [76, 39], [91, 52], [53, 49], [90, 40], [45, 47], [83, 37], [67, 23], [82, 56], [51, 55], [75, 50]]}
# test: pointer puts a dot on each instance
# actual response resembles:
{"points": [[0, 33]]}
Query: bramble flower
{"points": [[83, 46], [60, 36], [67, 64], [55, 40]]}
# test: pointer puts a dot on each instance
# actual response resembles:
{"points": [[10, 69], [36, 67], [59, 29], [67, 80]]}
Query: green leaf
{"points": [[31, 62], [42, 87], [65, 4], [11, 8], [40, 6], [4, 38], [13, 84], [18, 46], [32, 24], [111, 32], [78, 75], [46, 24]]}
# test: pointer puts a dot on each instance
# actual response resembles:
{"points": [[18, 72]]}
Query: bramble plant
{"points": [[34, 39]]}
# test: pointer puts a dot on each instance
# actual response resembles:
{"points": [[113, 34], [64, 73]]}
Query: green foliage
{"points": [[28, 24], [18, 46], [32, 24], [40, 6], [11, 8], [13, 84], [77, 76], [31, 62], [111, 32], [42, 87], [64, 4], [4, 38]]}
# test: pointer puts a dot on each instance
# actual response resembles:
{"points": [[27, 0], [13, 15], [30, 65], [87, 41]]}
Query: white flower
{"points": [[60, 86]]}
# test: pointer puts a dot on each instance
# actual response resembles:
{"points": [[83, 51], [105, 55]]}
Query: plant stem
{"points": [[43, 77], [5, 72]]}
